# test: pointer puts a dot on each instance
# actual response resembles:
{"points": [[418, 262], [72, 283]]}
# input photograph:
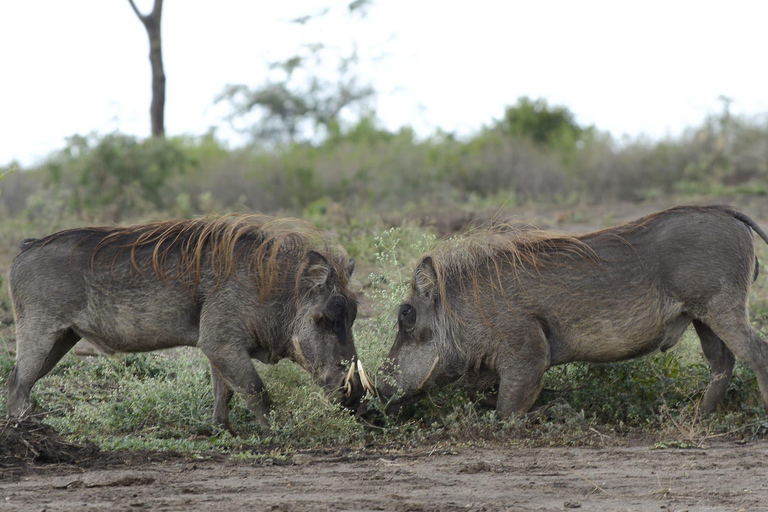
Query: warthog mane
{"points": [[185, 250]]}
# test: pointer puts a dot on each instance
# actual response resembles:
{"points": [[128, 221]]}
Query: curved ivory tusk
{"points": [[434, 364], [367, 384], [347, 387]]}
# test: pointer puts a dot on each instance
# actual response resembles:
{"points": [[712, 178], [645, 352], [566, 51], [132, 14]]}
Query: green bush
{"points": [[116, 172]]}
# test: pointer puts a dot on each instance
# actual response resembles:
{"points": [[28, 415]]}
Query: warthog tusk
{"points": [[367, 384], [347, 387], [299, 354], [434, 364]]}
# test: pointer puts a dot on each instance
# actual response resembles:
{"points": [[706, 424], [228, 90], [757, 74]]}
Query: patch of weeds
{"points": [[251, 456], [397, 253], [629, 394], [303, 414], [681, 445], [659, 394], [152, 396], [6, 366]]}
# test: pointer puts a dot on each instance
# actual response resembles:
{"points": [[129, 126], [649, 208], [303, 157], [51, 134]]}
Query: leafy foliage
{"points": [[116, 171], [362, 166], [545, 125], [300, 101]]}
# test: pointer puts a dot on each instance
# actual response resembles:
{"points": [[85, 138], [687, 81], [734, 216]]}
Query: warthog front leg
{"points": [[222, 395], [232, 369], [721, 362], [521, 372]]}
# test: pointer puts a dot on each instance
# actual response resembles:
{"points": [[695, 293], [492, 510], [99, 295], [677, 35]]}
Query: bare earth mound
{"points": [[23, 442]]}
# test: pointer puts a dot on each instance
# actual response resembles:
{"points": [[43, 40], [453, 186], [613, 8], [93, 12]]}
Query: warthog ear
{"points": [[351, 266], [317, 270], [425, 278]]}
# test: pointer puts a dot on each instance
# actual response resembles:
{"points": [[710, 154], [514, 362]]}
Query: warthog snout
{"points": [[352, 387]]}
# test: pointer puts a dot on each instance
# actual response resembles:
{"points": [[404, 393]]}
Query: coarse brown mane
{"points": [[509, 246], [220, 242], [523, 248]]}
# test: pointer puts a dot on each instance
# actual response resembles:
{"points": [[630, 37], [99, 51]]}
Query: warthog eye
{"points": [[336, 309], [407, 316]]}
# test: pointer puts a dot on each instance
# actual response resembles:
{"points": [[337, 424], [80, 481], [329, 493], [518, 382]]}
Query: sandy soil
{"points": [[725, 475]]}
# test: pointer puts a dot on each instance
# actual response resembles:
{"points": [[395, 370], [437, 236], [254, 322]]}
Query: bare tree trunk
{"points": [[151, 22]]}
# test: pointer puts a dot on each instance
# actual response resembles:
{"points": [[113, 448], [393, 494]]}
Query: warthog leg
{"points": [[234, 370], [36, 355], [721, 362], [222, 395], [521, 372], [733, 328]]}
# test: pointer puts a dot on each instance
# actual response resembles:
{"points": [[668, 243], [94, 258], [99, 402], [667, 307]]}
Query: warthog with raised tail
{"points": [[502, 305], [237, 287]]}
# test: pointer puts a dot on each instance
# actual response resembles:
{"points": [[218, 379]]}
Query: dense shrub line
{"points": [[525, 156]]}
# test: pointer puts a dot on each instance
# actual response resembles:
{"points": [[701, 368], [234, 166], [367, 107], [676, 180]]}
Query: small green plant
{"points": [[4, 173]]}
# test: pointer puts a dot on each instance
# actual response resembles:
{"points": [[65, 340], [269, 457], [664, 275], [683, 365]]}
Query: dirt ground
{"points": [[724, 475]]}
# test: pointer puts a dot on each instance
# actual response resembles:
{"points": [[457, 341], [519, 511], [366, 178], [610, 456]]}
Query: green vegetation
{"points": [[359, 182], [534, 153]]}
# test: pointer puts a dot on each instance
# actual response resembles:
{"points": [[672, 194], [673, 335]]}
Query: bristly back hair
{"points": [[220, 242], [512, 246]]}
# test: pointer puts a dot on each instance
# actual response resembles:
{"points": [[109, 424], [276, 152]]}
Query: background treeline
{"points": [[534, 152]]}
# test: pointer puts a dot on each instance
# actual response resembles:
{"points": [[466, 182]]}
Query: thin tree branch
{"points": [[136, 10]]}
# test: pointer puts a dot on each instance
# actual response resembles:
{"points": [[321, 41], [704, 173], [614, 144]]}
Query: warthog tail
{"points": [[752, 224]]}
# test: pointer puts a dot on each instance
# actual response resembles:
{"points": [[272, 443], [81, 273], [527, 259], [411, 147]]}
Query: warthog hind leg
{"points": [[36, 355], [734, 330], [721, 362]]}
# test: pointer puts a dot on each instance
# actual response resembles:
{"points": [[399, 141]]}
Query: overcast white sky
{"points": [[629, 67]]}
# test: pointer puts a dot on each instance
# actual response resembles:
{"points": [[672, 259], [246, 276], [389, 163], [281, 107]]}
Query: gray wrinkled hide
{"points": [[650, 279], [62, 293]]}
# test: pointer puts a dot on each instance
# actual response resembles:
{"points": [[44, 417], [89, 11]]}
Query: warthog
{"points": [[237, 287], [502, 305]]}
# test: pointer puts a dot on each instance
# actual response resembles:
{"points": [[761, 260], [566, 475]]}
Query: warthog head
{"points": [[322, 340], [421, 354]]}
